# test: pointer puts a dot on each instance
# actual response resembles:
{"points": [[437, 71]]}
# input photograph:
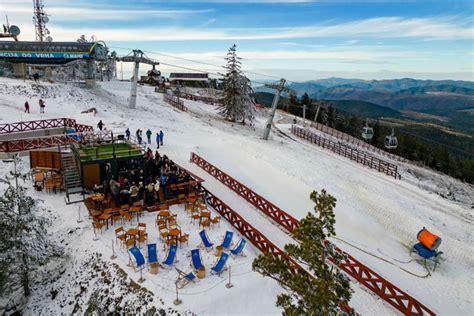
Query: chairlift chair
{"points": [[391, 141], [367, 133]]}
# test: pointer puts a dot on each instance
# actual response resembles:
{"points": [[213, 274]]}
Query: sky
{"points": [[293, 39]]}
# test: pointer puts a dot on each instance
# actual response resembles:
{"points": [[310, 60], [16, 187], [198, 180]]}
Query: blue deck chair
{"points": [[196, 259], [168, 263], [205, 240], [184, 279], [139, 259], [152, 258], [227, 239], [220, 264], [238, 249]]}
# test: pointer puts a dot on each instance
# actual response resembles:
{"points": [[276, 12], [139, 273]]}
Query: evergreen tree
{"points": [[237, 102], [305, 99], [24, 244], [320, 288]]}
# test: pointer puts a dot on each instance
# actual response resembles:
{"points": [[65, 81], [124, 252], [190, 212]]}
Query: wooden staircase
{"points": [[72, 177]]}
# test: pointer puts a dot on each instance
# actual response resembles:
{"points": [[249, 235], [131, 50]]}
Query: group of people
{"points": [[42, 105], [158, 173], [160, 136]]}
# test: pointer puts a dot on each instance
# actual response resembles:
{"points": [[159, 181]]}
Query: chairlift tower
{"points": [[279, 87], [137, 57], [40, 18]]}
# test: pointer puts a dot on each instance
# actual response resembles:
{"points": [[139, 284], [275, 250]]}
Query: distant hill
{"points": [[364, 109], [392, 85]]}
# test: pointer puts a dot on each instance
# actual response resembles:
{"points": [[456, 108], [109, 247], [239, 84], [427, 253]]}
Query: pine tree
{"points": [[24, 244], [236, 103], [320, 288]]}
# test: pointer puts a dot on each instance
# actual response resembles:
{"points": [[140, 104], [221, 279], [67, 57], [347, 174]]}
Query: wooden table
{"points": [[174, 233], [105, 217], [204, 214], [163, 214], [131, 232], [135, 210], [96, 213]]}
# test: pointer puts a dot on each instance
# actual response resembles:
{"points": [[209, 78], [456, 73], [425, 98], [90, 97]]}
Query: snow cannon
{"points": [[429, 240], [427, 247]]}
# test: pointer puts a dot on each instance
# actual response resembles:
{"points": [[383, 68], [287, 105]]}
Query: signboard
{"points": [[46, 55]]}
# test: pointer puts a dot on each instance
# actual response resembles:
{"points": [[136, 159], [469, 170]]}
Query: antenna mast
{"points": [[40, 19]]}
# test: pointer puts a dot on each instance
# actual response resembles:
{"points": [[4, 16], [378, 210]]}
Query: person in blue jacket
{"points": [[158, 139], [162, 136]]}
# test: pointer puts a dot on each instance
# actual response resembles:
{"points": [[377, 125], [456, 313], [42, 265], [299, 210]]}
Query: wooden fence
{"points": [[353, 140], [207, 100], [390, 293], [346, 151], [175, 102], [45, 159]]}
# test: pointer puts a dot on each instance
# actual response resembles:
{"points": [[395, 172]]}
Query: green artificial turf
{"points": [[106, 151]]}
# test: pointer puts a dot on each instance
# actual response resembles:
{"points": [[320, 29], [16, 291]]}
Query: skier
{"points": [[148, 135], [127, 133], [27, 107], [158, 138], [42, 105], [162, 135], [100, 125]]}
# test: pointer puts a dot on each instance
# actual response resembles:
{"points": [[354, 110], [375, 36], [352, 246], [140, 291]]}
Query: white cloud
{"points": [[386, 27]]}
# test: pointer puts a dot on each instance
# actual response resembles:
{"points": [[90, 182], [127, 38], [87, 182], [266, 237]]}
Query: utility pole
{"points": [[279, 88]]}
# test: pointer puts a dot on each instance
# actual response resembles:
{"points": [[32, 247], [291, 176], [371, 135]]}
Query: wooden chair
{"points": [[183, 238], [120, 234], [117, 217], [125, 207], [205, 223], [163, 232], [142, 237], [130, 242], [170, 241], [160, 222], [181, 198], [195, 217], [141, 227], [98, 225], [188, 207], [126, 216], [216, 220], [172, 223]]}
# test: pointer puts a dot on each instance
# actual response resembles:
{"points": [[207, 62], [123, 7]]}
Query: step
{"points": [[74, 190]]}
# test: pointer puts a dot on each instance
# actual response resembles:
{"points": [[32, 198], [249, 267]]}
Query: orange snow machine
{"points": [[429, 240]]}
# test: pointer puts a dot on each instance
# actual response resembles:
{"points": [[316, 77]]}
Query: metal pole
{"points": [[113, 251], [268, 126], [133, 92], [16, 174], [229, 285], [177, 301], [79, 220], [317, 114], [304, 114]]}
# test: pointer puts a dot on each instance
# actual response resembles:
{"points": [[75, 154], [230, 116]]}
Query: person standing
{"points": [[162, 136], [158, 138], [137, 133], [100, 125], [27, 107], [42, 105], [127, 133], [148, 136]]}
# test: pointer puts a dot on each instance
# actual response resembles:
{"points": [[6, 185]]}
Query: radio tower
{"points": [[40, 19]]}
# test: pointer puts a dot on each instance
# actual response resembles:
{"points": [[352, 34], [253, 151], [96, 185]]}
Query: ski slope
{"points": [[377, 216]]}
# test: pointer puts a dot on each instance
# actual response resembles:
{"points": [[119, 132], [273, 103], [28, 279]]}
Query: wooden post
{"points": [[141, 277]]}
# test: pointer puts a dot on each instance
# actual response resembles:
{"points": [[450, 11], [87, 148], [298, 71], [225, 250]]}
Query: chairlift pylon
{"points": [[391, 141]]}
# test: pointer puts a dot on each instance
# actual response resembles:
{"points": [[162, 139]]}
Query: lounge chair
{"points": [[205, 240], [184, 279], [139, 259], [220, 264], [227, 239], [238, 249], [168, 263], [152, 257], [196, 259]]}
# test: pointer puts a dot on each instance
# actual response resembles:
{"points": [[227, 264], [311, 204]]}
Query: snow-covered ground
{"points": [[377, 216]]}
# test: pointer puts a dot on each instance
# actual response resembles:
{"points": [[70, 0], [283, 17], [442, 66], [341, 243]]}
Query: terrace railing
{"points": [[393, 295], [43, 124], [341, 149]]}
